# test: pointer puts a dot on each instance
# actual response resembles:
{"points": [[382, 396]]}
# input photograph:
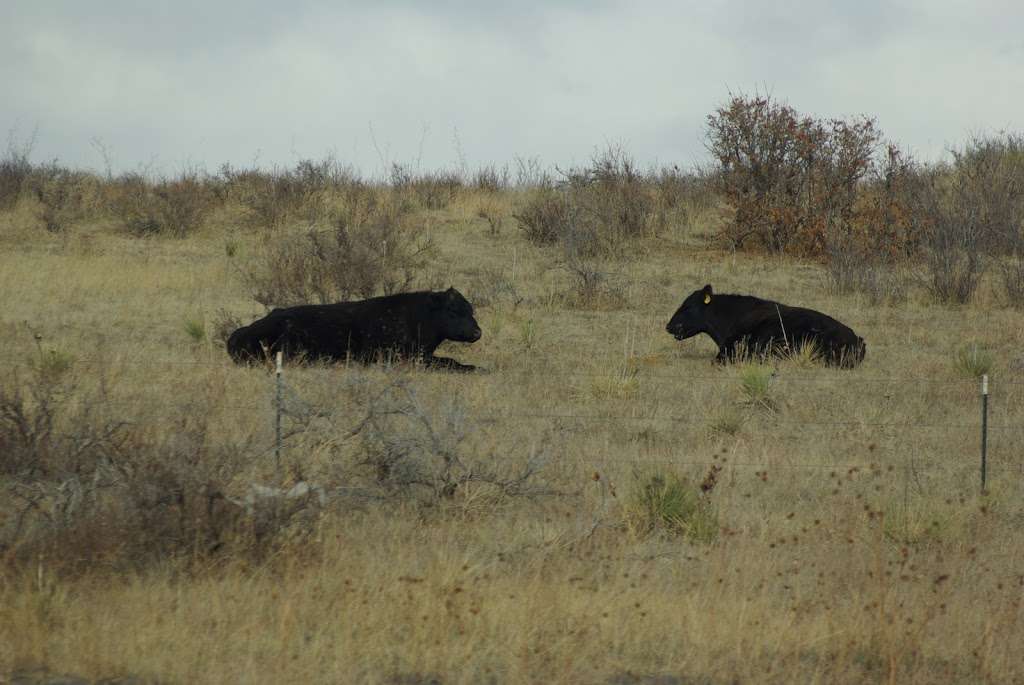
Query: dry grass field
{"points": [[602, 505]]}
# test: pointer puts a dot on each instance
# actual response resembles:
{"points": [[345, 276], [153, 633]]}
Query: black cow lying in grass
{"points": [[736, 322], [408, 326]]}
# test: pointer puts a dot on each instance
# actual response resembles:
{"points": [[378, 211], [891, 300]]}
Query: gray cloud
{"points": [[206, 83]]}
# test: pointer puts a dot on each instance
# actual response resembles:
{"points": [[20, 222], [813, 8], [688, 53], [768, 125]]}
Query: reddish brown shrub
{"points": [[789, 177]]}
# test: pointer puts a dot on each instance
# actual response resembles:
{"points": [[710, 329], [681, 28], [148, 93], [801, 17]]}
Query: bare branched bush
{"points": [[990, 170], [28, 439], [241, 185], [610, 200], [953, 245], [366, 251], [432, 190], [993, 168], [15, 169], [614, 199], [530, 173], [492, 178], [1011, 270], [545, 214], [588, 279], [592, 284], [224, 324], [305, 193], [689, 190], [970, 213], [408, 445], [172, 207], [54, 450], [854, 269], [492, 213], [83, 483], [65, 196], [279, 197], [870, 252], [491, 285], [685, 201]]}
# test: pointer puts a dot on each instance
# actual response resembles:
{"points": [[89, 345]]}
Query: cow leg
{"points": [[838, 354], [726, 353], [447, 364]]}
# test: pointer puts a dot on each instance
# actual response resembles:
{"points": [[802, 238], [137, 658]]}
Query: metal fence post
{"points": [[277, 407], [984, 430]]}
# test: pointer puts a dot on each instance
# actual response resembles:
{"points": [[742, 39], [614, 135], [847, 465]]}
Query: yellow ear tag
{"points": [[707, 299]]}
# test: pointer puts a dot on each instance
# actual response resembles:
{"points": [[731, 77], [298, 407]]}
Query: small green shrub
{"points": [[806, 356], [621, 384], [756, 383], [974, 360], [925, 518], [528, 334], [53, 364], [729, 421], [664, 501], [196, 330]]}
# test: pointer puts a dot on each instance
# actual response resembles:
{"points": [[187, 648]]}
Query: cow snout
{"points": [[475, 334]]}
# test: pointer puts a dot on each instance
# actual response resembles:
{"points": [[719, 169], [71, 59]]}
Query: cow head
{"points": [[456, 316], [691, 317]]}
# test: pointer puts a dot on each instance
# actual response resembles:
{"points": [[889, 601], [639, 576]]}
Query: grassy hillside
{"points": [[603, 505]]}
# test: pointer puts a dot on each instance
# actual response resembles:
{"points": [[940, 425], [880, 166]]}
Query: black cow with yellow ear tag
{"points": [[744, 322]]}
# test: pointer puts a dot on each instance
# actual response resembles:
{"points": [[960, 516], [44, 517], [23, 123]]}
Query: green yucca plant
{"points": [[974, 360], [729, 421], [805, 356], [53, 364], [196, 330], [756, 382], [663, 500]]}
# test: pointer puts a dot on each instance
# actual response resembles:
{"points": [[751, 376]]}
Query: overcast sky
{"points": [[170, 84]]}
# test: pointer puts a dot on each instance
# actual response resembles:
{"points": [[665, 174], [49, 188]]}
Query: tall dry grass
{"points": [[544, 522]]}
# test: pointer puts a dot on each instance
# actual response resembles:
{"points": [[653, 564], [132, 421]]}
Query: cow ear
{"points": [[451, 293], [707, 294]]}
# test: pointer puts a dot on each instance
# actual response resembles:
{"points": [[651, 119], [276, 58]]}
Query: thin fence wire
{"points": [[293, 406], [268, 405], [878, 465], [293, 397], [840, 468], [847, 377]]}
